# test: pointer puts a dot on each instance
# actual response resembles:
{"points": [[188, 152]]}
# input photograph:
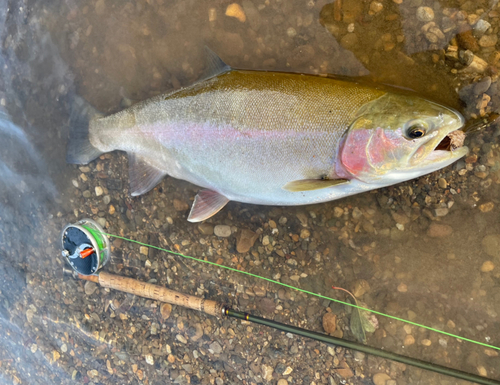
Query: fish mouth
{"points": [[447, 150]]}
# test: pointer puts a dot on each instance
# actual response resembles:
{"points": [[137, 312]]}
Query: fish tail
{"points": [[80, 150]]}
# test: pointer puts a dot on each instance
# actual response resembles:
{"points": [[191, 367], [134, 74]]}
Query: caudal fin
{"points": [[80, 150]]}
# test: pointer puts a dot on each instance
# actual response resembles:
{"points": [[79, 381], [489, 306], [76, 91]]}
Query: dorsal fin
{"points": [[142, 174], [214, 65]]}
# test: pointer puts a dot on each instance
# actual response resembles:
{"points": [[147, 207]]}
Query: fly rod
{"points": [[86, 241]]}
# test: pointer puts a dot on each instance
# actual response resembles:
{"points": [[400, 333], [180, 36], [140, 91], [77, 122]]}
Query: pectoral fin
{"points": [[206, 203], [312, 184], [142, 174]]}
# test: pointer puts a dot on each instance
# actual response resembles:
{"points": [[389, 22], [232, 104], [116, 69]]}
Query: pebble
{"points": [[338, 212], [487, 266], [101, 221], [491, 245], [144, 250], [267, 372], [99, 191], [149, 359], [291, 32], [304, 233], [181, 338], [215, 348], [376, 7], [180, 205], [438, 230], [481, 26], [64, 348], [245, 240], [481, 370], [442, 183], [402, 288], [426, 342], [488, 40], [165, 310], [330, 322], [106, 199], [409, 340], [282, 381], [222, 231], [425, 14], [235, 10], [441, 212], [287, 371], [90, 287], [486, 207], [380, 378]]}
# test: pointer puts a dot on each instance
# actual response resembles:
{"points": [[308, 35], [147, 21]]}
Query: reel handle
{"points": [[159, 293]]}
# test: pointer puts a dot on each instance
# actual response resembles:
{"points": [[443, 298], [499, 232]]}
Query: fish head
{"points": [[400, 137]]}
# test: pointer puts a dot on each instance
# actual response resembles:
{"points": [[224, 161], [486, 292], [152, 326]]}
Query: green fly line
{"points": [[307, 292]]}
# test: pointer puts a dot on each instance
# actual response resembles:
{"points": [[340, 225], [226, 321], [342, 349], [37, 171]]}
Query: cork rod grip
{"points": [[159, 293]]}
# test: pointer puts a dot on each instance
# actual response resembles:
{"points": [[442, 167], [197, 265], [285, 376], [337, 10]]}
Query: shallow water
{"points": [[428, 249]]}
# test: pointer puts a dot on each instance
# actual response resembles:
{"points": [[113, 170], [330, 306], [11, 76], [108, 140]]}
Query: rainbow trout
{"points": [[274, 138]]}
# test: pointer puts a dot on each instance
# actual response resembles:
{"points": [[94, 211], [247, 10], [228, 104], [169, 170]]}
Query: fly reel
{"points": [[85, 246]]}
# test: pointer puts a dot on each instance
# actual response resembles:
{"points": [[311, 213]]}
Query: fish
{"points": [[274, 138]]}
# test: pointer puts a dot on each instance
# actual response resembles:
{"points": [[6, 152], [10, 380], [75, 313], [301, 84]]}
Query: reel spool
{"points": [[85, 247]]}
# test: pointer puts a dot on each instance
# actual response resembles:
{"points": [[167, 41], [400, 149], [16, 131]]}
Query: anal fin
{"points": [[206, 204], [312, 184], [143, 175]]}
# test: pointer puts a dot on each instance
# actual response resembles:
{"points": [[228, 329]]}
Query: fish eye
{"points": [[416, 131]]}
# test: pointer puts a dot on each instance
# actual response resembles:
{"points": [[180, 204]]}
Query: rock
{"points": [[376, 7], [400, 217], [304, 233], [99, 191], [245, 240], [481, 370], [491, 245], [344, 371], [222, 231], [215, 348], [267, 372], [282, 381], [206, 228], [330, 322], [144, 250], [481, 26], [441, 212], [487, 266], [380, 378], [442, 183], [487, 207], [149, 359], [289, 370], [338, 212], [180, 205], [165, 310], [360, 287], [409, 340], [488, 40], [90, 288], [181, 338], [425, 14], [482, 86], [438, 230], [235, 10]]}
